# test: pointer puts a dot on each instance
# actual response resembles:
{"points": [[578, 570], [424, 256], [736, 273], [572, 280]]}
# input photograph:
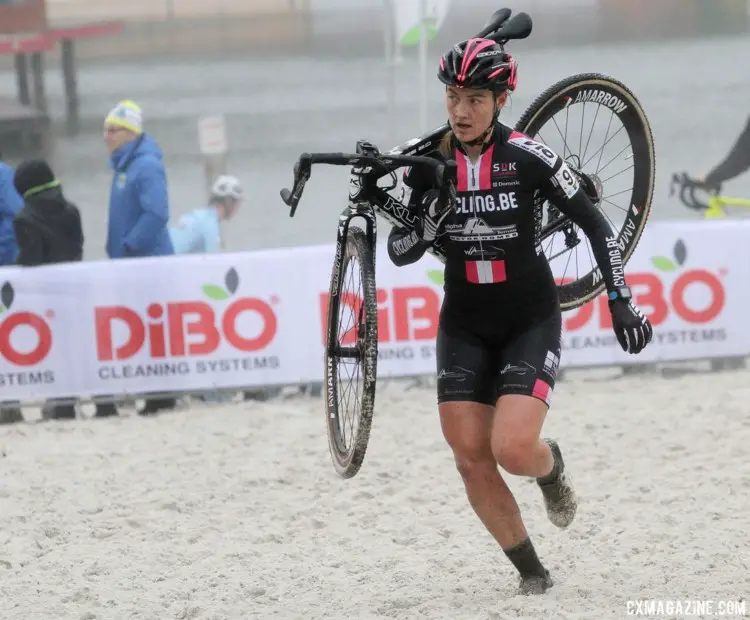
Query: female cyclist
{"points": [[498, 342]]}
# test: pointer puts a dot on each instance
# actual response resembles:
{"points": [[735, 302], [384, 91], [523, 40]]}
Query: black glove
{"points": [[708, 185], [632, 328], [432, 214]]}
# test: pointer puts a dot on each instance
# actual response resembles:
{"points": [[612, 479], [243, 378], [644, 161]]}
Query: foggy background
{"points": [[310, 75]]}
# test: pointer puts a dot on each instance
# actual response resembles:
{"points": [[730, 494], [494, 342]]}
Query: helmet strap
{"points": [[483, 136]]}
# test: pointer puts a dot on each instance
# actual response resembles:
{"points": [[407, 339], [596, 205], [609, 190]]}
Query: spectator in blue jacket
{"points": [[10, 204], [138, 204]]}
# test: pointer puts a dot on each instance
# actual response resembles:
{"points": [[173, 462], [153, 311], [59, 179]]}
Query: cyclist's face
{"points": [[471, 111], [231, 205]]}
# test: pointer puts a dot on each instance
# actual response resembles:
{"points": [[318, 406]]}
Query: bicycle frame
{"points": [[373, 201], [717, 204]]}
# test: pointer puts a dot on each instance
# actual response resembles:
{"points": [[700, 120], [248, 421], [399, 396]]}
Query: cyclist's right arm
{"points": [[211, 231], [405, 246], [737, 162]]}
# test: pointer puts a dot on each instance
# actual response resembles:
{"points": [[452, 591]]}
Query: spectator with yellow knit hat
{"points": [[138, 204]]}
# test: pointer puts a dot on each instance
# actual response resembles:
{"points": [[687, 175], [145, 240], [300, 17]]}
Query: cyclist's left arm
{"points": [[564, 191]]}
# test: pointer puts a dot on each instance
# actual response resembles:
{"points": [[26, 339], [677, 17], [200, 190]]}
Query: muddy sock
{"points": [[524, 558]]}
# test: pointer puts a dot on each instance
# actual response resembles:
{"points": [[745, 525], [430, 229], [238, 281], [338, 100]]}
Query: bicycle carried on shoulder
{"points": [[709, 201], [349, 408]]}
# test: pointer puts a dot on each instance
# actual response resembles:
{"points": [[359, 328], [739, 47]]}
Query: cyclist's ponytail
{"points": [[444, 148]]}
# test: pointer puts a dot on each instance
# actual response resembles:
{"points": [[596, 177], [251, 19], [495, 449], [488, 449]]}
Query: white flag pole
{"points": [[423, 66], [390, 68]]}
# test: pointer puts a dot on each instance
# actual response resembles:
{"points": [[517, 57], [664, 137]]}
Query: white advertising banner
{"points": [[245, 319], [134, 326], [689, 279]]}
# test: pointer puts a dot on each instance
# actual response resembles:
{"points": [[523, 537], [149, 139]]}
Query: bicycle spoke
{"points": [[588, 249], [616, 205], [609, 219], [601, 150], [591, 133], [566, 265], [566, 148], [349, 378], [613, 159], [583, 116], [617, 175]]}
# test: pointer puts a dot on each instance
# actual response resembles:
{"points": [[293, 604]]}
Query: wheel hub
{"points": [[596, 181]]}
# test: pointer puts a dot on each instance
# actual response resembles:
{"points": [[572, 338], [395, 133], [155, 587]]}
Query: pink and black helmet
{"points": [[480, 64]]}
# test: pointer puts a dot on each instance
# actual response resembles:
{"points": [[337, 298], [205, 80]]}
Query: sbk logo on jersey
{"points": [[499, 201], [504, 169]]}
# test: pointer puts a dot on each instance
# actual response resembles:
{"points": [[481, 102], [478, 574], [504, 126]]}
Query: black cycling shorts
{"points": [[480, 365]]}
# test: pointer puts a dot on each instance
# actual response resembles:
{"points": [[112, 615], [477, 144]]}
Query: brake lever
{"points": [[675, 182], [687, 189], [302, 171]]}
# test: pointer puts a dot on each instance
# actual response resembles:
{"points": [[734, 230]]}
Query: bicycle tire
{"points": [[558, 96], [348, 460]]}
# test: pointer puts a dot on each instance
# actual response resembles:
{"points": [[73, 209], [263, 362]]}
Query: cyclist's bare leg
{"points": [[467, 428], [482, 437], [515, 441], [518, 449]]}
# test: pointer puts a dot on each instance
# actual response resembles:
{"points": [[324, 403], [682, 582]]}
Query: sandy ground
{"points": [[235, 511]]}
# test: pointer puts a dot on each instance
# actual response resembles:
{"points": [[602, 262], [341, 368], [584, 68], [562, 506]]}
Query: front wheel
{"points": [[351, 353], [597, 125]]}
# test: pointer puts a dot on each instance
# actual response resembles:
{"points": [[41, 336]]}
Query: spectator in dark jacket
{"points": [[48, 231], [48, 227]]}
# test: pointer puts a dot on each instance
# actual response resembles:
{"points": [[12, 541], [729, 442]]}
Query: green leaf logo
{"points": [[663, 263], [218, 293], [436, 277], [679, 252], [214, 292]]}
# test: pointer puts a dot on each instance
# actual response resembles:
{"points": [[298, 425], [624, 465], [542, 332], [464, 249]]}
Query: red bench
{"points": [[31, 114]]}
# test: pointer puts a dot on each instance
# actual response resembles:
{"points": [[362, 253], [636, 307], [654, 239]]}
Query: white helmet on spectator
{"points": [[227, 186]]}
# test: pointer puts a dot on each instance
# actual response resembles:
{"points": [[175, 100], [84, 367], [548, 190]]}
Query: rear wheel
{"points": [[351, 353], [597, 125]]}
